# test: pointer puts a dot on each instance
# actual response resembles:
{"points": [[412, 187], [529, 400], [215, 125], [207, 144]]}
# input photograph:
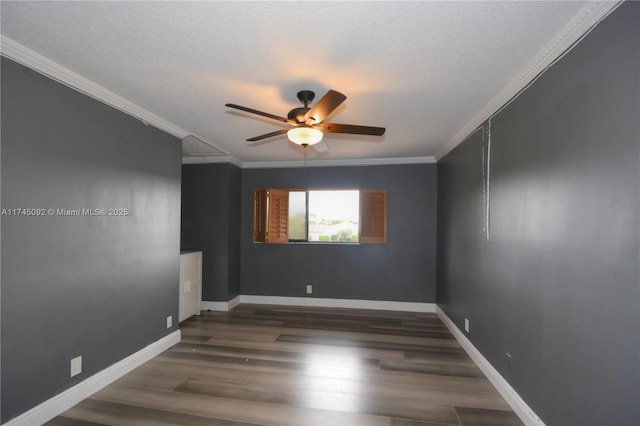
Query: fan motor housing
{"points": [[298, 114]]}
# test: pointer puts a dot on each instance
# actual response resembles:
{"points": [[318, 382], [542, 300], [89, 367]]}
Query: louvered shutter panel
{"points": [[260, 216], [373, 216], [278, 216]]}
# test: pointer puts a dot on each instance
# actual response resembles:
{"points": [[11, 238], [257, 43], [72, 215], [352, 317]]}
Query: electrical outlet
{"points": [[169, 321], [76, 366], [466, 325], [309, 289]]}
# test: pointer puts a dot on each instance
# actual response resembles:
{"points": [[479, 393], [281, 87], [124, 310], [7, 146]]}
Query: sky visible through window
{"points": [[334, 216], [334, 205]]}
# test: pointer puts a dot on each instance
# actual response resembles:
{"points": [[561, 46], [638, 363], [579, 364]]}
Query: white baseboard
{"points": [[234, 302], [339, 303], [220, 306], [63, 401], [320, 302], [215, 306], [526, 414]]}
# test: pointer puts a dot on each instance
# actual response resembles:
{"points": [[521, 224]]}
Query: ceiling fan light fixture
{"points": [[305, 136], [306, 120]]}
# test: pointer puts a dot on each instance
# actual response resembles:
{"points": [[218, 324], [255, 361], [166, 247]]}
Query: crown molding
{"points": [[587, 19], [309, 163], [579, 27], [27, 57], [212, 159], [339, 162]]}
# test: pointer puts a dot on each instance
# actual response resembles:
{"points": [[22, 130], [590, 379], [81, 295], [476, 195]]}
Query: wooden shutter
{"points": [[260, 216], [278, 216], [271, 215], [373, 216]]}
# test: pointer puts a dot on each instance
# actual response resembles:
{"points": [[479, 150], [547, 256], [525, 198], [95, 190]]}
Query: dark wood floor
{"points": [[266, 365]]}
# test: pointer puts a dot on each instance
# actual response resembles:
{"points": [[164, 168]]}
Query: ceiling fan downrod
{"points": [[306, 96]]}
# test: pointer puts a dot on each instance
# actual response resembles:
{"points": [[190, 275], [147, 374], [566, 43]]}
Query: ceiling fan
{"points": [[308, 122]]}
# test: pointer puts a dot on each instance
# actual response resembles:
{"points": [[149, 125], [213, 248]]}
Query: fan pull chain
{"points": [[305, 163]]}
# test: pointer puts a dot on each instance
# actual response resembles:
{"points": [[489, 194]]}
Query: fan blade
{"points": [[324, 107], [351, 128], [255, 111], [321, 146], [268, 135]]}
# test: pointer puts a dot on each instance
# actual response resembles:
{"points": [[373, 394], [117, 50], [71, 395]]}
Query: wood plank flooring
{"points": [[275, 365]]}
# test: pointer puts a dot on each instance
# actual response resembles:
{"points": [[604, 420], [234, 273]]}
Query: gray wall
{"points": [[557, 286], [402, 270], [100, 287], [211, 224]]}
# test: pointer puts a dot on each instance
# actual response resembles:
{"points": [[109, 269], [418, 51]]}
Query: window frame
{"points": [[306, 221], [270, 216]]}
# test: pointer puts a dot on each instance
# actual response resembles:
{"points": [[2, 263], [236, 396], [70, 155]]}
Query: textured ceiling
{"points": [[427, 71]]}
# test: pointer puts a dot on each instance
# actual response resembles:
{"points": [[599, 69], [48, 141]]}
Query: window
{"points": [[291, 215], [333, 216]]}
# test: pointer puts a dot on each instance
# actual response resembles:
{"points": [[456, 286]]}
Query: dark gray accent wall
{"points": [[211, 224], [101, 286], [558, 284], [402, 270]]}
